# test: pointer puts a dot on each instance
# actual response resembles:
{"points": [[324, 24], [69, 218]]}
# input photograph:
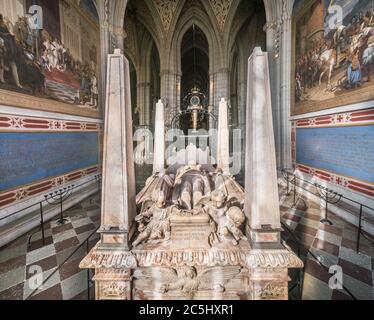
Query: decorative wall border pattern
{"points": [[21, 123], [25, 192], [40, 124], [360, 117], [339, 119], [348, 183]]}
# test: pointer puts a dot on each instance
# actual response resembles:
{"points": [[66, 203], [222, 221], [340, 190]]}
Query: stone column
{"points": [[144, 103], [104, 51], [286, 61], [223, 139], [278, 33], [221, 88], [168, 95], [262, 202], [159, 138]]}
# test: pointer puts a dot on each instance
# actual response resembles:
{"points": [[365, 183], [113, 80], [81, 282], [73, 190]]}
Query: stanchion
{"points": [[42, 222], [359, 230], [290, 178]]}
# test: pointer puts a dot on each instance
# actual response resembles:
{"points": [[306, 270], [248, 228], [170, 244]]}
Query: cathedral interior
{"points": [[186, 150]]}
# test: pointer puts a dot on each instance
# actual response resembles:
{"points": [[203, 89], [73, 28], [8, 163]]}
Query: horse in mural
{"points": [[325, 65]]}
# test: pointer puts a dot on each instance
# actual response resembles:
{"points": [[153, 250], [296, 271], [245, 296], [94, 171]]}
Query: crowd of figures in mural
{"points": [[34, 62], [336, 60]]}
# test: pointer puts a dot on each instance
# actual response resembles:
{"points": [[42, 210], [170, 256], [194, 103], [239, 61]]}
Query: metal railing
{"points": [[299, 280], [329, 196], [85, 243], [57, 198]]}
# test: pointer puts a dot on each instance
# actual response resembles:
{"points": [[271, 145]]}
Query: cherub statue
{"points": [[154, 224], [228, 218]]}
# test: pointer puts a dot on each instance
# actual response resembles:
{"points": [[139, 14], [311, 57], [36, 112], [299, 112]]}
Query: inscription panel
{"points": [[29, 157], [194, 235], [347, 151]]}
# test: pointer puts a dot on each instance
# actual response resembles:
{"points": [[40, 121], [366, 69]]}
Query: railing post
{"points": [[294, 190], [88, 272], [42, 221], [359, 230], [326, 209]]}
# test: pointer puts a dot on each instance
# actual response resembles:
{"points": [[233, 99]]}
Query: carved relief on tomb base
{"points": [[113, 284], [189, 282], [264, 290]]}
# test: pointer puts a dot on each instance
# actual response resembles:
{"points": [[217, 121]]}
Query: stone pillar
{"points": [[159, 138], [262, 202], [242, 103], [144, 103], [274, 67], [168, 95], [285, 94], [178, 92], [221, 88], [278, 33], [104, 51], [223, 139]]}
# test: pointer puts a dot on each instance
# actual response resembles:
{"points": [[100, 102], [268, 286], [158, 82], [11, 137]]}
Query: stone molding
{"points": [[258, 258]]}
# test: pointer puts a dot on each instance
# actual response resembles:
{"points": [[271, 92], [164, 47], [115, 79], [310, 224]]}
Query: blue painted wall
{"points": [[348, 151], [30, 157]]}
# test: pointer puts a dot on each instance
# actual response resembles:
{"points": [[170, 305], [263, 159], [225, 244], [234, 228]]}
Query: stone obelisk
{"points": [[159, 139], [118, 190], [111, 257], [223, 139], [262, 202]]}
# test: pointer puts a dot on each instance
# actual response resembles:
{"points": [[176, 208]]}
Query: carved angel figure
{"points": [[154, 224], [228, 217], [188, 281]]}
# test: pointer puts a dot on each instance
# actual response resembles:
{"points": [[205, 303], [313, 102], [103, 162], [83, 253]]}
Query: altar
{"points": [[193, 232]]}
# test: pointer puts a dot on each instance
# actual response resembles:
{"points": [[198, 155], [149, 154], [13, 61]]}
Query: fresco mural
{"points": [[59, 60], [334, 54]]}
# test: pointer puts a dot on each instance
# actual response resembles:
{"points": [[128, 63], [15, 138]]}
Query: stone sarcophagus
{"points": [[195, 232]]}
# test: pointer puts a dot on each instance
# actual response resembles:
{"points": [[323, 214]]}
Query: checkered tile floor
{"points": [[20, 261], [333, 246]]}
